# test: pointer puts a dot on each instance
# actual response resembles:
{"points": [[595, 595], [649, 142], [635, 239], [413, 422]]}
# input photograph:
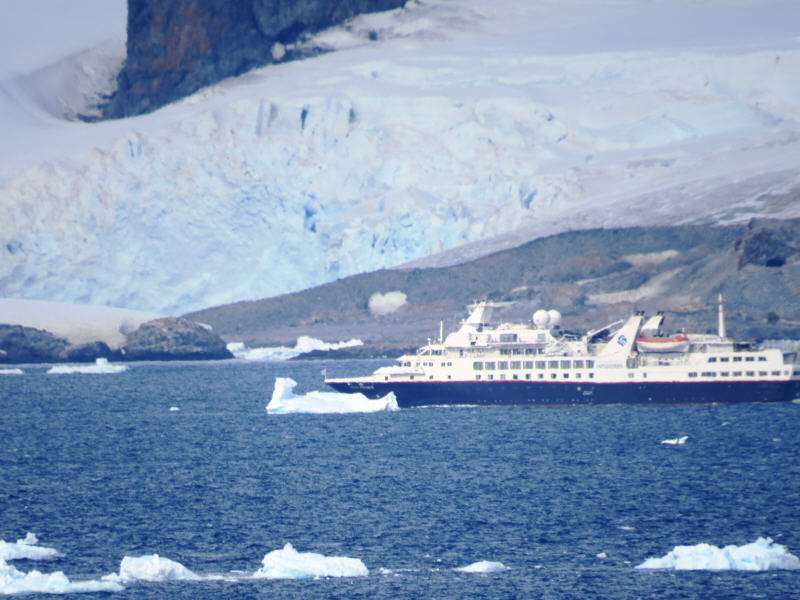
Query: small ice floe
{"points": [[12, 372], [101, 365], [602, 555], [150, 567], [483, 566], [174, 409], [288, 563], [761, 555], [14, 581], [26, 548], [304, 344], [285, 401], [680, 441]]}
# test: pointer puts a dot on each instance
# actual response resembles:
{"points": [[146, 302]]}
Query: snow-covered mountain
{"points": [[447, 125]]}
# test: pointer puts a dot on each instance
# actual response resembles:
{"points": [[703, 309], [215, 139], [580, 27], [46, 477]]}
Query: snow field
{"points": [[460, 125]]}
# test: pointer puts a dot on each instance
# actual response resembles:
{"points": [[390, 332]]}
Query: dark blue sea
{"points": [[571, 499]]}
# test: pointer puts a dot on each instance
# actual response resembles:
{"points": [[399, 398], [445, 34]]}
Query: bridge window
{"points": [[503, 364], [590, 364], [515, 364], [528, 364], [552, 364], [477, 365], [749, 359], [712, 359], [724, 359], [737, 359], [578, 364], [762, 359], [750, 373], [489, 365], [540, 364], [565, 364]]}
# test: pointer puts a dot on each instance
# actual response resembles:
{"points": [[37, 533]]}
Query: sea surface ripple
{"points": [[570, 499]]}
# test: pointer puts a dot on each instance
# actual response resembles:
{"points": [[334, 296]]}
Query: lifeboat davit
{"points": [[673, 343]]}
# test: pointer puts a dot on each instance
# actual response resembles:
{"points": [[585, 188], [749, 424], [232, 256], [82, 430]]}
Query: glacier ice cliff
{"points": [[455, 127]]}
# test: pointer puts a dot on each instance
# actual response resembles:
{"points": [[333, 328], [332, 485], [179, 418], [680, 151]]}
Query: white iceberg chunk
{"points": [[761, 555], [150, 567], [285, 401], [101, 365], [26, 548], [288, 563], [14, 581], [484, 566], [304, 344], [676, 441], [12, 372]]}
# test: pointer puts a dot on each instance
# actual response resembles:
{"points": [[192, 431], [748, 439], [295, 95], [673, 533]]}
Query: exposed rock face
{"points": [[768, 243], [87, 352], [173, 338], [592, 276], [175, 48], [20, 344]]}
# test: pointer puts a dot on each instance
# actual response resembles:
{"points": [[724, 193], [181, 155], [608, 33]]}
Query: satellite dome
{"points": [[555, 317], [541, 318]]}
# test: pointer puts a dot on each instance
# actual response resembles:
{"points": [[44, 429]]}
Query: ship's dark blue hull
{"points": [[432, 393]]}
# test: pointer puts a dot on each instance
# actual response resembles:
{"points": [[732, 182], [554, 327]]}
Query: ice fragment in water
{"points": [[101, 366], [483, 566], [26, 548], [14, 581], [288, 563], [284, 401], [150, 567], [761, 555], [676, 441]]}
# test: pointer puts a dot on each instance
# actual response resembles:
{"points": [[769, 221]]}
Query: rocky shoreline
{"points": [[168, 338]]}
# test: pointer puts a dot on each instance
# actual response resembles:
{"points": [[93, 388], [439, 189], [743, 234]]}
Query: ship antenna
{"points": [[441, 332], [720, 318]]}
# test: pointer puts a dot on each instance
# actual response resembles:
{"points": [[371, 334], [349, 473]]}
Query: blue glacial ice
{"points": [[285, 401], [288, 563], [761, 555], [100, 366], [484, 566]]}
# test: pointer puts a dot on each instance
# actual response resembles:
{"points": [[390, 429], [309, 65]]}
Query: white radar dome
{"points": [[541, 318], [555, 317]]}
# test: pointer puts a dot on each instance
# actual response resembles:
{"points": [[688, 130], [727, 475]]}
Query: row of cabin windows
{"points": [[503, 365], [514, 376], [521, 350], [712, 359], [734, 374]]}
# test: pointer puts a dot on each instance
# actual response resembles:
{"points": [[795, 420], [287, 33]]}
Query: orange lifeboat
{"points": [[673, 343]]}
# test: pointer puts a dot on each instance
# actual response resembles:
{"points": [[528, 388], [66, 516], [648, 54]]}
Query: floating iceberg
{"points": [[14, 581], [484, 566], [26, 548], [288, 563], [304, 344], [761, 555], [150, 567], [676, 441], [284, 401], [101, 365], [12, 372]]}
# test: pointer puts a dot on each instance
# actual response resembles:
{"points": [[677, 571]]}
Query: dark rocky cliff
{"points": [[175, 48]]}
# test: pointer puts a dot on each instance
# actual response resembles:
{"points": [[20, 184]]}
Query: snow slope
{"points": [[466, 126]]}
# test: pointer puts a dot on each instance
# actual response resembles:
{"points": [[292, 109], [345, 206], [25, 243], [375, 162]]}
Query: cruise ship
{"points": [[536, 363]]}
